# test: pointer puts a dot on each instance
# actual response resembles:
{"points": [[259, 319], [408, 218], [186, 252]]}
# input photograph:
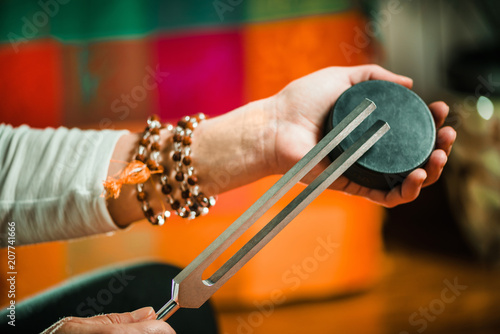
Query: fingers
{"points": [[407, 191], [58, 326], [413, 183], [445, 139], [404, 193], [375, 72], [439, 111], [434, 166], [86, 327], [139, 321], [142, 314], [150, 326]]}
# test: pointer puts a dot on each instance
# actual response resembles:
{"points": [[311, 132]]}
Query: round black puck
{"points": [[405, 147]]}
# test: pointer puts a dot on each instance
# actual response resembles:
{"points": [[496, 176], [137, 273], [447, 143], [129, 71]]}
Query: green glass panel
{"points": [[264, 10], [22, 20], [94, 19], [196, 13], [84, 20]]}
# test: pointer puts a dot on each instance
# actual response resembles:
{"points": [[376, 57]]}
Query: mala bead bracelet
{"points": [[147, 162], [195, 203], [142, 167], [148, 152]]}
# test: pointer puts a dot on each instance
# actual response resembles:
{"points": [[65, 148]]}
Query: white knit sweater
{"points": [[51, 183]]}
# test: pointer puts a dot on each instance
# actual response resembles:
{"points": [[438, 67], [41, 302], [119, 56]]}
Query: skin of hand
{"points": [[139, 321], [269, 136], [300, 112]]}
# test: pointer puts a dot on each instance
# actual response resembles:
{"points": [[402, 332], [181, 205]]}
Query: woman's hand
{"points": [[299, 112], [139, 321]]}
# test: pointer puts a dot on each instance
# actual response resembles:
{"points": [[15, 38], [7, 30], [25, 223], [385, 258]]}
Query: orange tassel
{"points": [[135, 172]]}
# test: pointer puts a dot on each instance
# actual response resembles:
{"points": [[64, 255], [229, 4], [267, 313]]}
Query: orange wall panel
{"points": [[279, 52], [38, 267]]}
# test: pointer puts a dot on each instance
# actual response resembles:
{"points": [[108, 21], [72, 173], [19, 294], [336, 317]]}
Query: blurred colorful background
{"points": [[110, 64]]}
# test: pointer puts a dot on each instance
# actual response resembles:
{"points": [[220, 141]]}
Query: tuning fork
{"points": [[189, 290]]}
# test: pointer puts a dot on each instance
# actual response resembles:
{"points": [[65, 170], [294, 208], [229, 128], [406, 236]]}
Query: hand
{"points": [[300, 110], [139, 321]]}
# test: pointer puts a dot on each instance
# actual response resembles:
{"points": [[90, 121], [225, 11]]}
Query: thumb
{"points": [[375, 72], [145, 313], [142, 314]]}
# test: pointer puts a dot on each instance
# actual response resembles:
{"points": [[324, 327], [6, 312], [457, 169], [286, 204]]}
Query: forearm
{"points": [[125, 209], [228, 151], [50, 182], [233, 149]]}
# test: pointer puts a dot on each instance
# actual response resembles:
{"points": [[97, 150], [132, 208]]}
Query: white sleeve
{"points": [[51, 183]]}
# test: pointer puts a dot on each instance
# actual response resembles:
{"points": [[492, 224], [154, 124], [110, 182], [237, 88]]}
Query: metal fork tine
{"points": [[189, 290], [322, 182]]}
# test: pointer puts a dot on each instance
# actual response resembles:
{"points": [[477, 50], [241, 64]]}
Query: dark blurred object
{"points": [[490, 10], [460, 215], [476, 71], [473, 175], [427, 224]]}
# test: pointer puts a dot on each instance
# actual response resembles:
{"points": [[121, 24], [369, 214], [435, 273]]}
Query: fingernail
{"points": [[424, 178], [407, 78], [142, 313]]}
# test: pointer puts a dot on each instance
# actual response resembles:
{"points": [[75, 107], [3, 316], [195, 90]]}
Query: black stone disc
{"points": [[405, 147]]}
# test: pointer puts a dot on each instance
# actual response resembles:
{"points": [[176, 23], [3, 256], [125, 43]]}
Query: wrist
{"points": [[259, 136], [120, 209], [126, 208], [236, 148]]}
